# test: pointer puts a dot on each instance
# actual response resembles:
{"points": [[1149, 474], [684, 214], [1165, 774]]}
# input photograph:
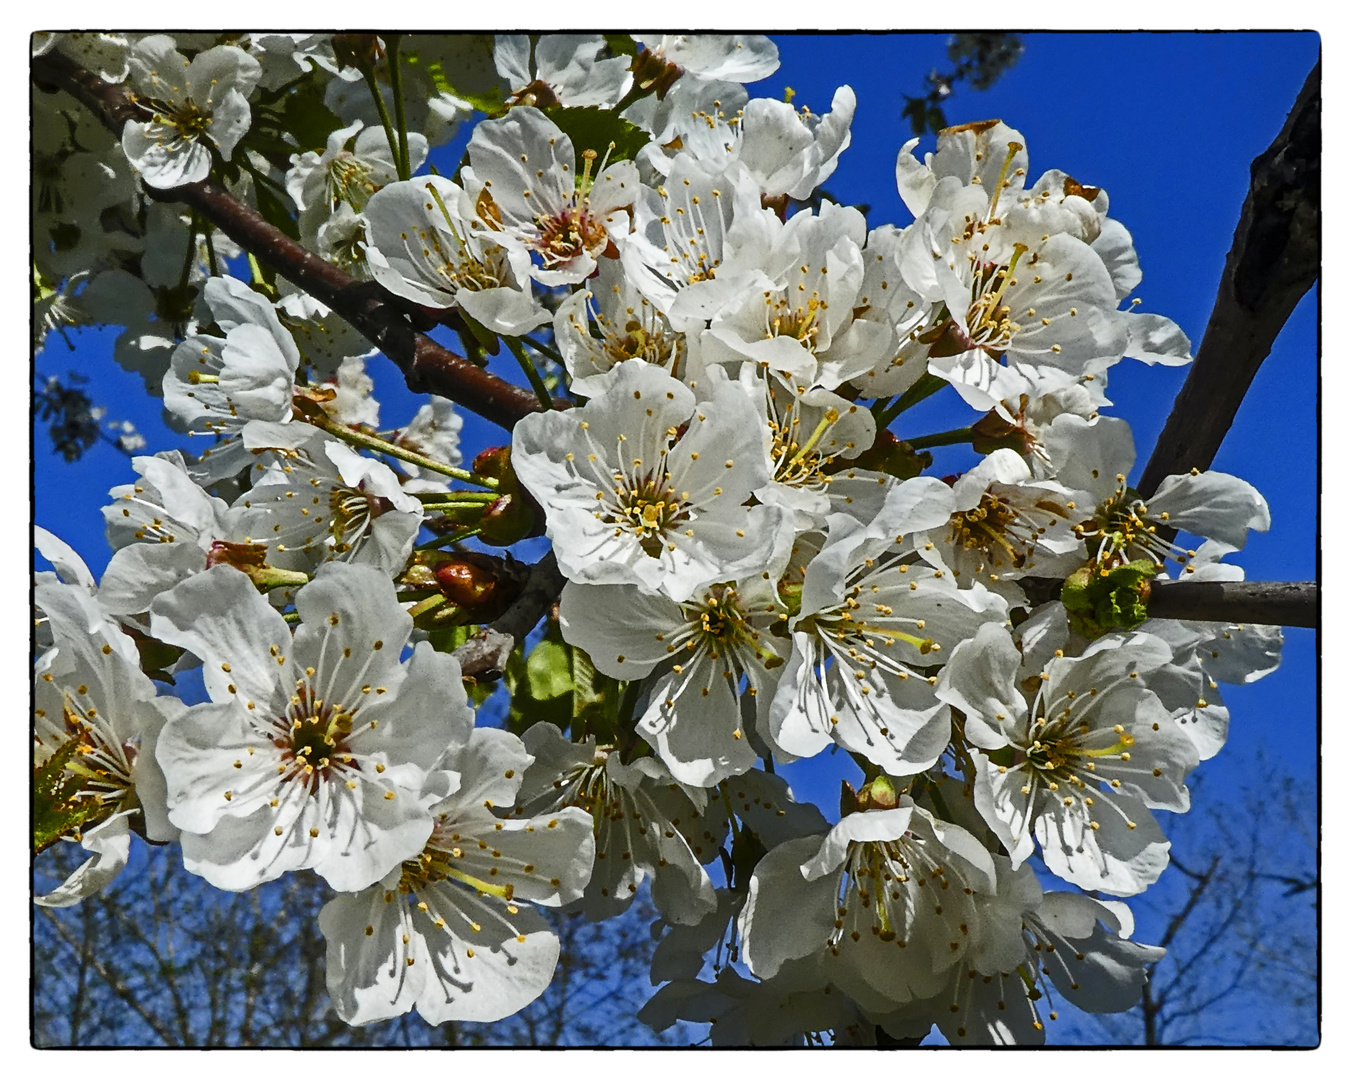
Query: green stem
{"points": [[927, 386], [465, 498], [261, 177], [450, 538], [635, 92], [430, 604], [368, 73], [210, 253], [544, 350], [402, 161], [531, 373], [190, 254], [442, 507], [943, 438], [382, 446]]}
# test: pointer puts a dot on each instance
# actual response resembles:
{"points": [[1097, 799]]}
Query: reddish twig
{"points": [[427, 366]]}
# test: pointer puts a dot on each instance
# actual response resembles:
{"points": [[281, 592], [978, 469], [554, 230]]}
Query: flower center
{"points": [[564, 236], [1122, 524], [318, 734], [187, 119], [647, 508], [796, 462], [437, 864], [988, 325], [350, 180]]}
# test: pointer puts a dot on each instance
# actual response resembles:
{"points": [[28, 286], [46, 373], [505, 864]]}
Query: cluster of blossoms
{"points": [[757, 570]]}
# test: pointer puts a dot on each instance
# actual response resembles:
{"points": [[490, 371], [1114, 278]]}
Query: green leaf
{"points": [[276, 212], [549, 670], [303, 113], [595, 129], [469, 74], [558, 684], [621, 44]]}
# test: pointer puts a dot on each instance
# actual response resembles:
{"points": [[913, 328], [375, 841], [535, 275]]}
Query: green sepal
{"points": [[889, 455], [1098, 603], [57, 808], [302, 112]]}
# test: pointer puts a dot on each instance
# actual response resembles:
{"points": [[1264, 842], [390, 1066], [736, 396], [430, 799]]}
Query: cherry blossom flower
{"points": [[450, 930], [566, 70], [887, 899], [423, 247], [311, 753], [220, 384], [186, 104], [324, 502], [527, 190], [1092, 750], [646, 825], [697, 654], [1024, 939], [99, 716], [872, 621], [627, 498]]}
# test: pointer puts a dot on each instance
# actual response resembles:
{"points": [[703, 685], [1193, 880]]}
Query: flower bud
{"points": [[482, 586], [358, 50], [514, 515], [878, 794]]}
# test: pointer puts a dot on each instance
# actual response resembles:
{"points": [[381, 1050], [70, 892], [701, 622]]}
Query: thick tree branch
{"points": [[1277, 603], [1273, 263], [427, 366], [1273, 603]]}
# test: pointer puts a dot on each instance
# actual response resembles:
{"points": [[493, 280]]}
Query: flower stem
{"points": [[545, 350], [531, 373], [927, 386], [401, 159], [383, 446], [943, 438], [210, 252], [463, 498], [442, 507], [368, 73], [450, 538]]}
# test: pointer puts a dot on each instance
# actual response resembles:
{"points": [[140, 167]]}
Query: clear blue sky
{"points": [[1168, 124]]}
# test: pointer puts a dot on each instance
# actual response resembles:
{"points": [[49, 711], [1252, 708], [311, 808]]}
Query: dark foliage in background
{"points": [[978, 59]]}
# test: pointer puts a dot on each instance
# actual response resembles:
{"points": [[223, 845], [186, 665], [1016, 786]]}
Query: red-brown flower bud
{"points": [[358, 50]]}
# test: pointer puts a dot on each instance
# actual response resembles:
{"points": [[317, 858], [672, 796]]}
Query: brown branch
{"points": [[1272, 603], [1276, 603], [427, 367], [1272, 264]]}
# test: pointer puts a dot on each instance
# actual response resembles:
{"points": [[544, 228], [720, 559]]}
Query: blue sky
{"points": [[1167, 124]]}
